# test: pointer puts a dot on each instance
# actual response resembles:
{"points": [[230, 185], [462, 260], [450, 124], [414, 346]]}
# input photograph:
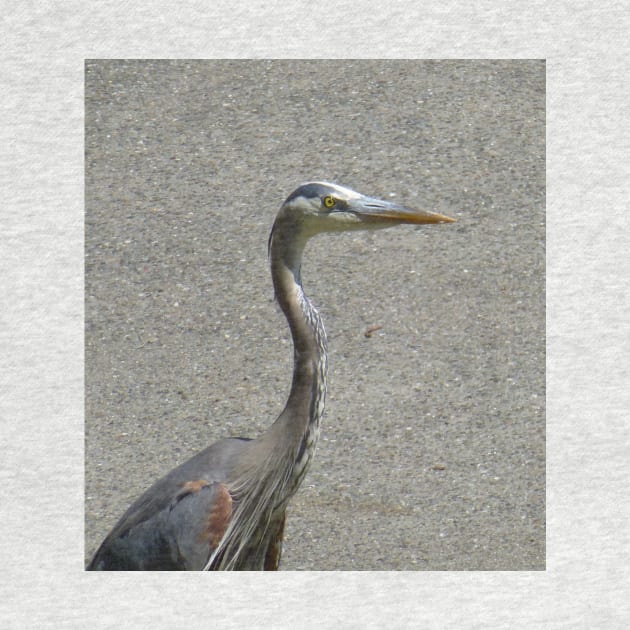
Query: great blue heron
{"points": [[225, 507]]}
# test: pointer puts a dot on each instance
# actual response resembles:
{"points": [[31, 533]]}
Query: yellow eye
{"points": [[329, 201]]}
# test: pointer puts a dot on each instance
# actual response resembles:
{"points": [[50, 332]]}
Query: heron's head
{"points": [[323, 207]]}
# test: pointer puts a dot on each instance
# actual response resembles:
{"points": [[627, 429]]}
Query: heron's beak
{"points": [[373, 210]]}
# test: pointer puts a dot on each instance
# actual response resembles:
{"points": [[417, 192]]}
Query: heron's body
{"points": [[225, 507]]}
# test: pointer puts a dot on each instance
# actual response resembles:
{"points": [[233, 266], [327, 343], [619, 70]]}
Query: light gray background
{"points": [[587, 330], [432, 451]]}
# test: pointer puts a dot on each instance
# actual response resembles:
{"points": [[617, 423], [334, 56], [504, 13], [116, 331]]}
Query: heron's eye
{"points": [[329, 201]]}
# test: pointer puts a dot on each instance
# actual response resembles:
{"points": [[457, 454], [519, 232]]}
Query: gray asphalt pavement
{"points": [[432, 451]]}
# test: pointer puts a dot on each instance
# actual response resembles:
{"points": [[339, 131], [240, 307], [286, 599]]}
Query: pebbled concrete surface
{"points": [[432, 454]]}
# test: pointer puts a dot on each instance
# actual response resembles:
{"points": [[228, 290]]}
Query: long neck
{"points": [[278, 460], [299, 421]]}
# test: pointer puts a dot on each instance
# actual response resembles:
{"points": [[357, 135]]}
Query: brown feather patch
{"points": [[219, 517]]}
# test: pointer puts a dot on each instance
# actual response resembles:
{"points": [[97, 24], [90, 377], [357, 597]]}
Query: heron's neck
{"points": [[299, 421], [278, 460]]}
